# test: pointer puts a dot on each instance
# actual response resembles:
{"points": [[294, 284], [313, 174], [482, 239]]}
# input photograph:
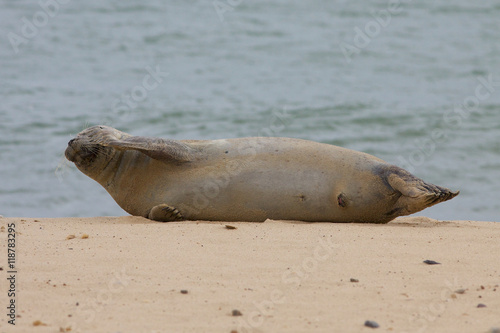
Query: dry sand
{"points": [[127, 276]]}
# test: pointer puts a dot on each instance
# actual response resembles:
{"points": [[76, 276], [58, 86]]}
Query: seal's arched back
{"points": [[248, 179]]}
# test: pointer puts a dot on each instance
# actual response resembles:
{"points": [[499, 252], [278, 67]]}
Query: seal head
{"points": [[90, 150]]}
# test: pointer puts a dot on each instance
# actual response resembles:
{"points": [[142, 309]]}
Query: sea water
{"points": [[416, 83]]}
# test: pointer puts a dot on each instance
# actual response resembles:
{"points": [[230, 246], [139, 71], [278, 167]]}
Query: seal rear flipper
{"points": [[156, 148], [416, 194], [164, 213]]}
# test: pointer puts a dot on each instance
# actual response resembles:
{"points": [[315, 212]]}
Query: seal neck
{"points": [[108, 173]]}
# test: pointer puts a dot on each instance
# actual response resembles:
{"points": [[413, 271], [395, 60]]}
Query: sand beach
{"points": [[130, 274]]}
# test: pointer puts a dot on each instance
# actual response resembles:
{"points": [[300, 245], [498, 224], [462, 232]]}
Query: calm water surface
{"points": [[389, 81]]}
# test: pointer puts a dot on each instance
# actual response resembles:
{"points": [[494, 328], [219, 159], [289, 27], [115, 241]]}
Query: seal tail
{"points": [[416, 194]]}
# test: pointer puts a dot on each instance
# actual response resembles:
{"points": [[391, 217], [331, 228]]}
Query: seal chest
{"points": [[248, 179]]}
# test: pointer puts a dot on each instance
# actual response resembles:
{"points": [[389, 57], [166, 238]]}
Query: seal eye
{"points": [[342, 200]]}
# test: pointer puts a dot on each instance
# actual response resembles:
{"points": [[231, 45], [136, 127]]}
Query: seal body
{"points": [[248, 179]]}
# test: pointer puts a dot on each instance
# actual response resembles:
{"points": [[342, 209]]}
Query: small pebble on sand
{"points": [[432, 262], [237, 313], [371, 323], [184, 291]]}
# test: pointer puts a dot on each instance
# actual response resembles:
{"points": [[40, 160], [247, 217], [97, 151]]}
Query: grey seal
{"points": [[248, 179]]}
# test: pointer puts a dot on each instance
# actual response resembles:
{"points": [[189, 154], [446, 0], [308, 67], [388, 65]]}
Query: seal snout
{"points": [[70, 152], [76, 150]]}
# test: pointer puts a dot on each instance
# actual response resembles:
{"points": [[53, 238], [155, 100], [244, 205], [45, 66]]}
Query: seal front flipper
{"points": [[416, 194], [164, 213], [156, 148]]}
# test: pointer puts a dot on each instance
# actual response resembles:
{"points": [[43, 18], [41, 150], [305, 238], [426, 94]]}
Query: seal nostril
{"points": [[71, 141]]}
